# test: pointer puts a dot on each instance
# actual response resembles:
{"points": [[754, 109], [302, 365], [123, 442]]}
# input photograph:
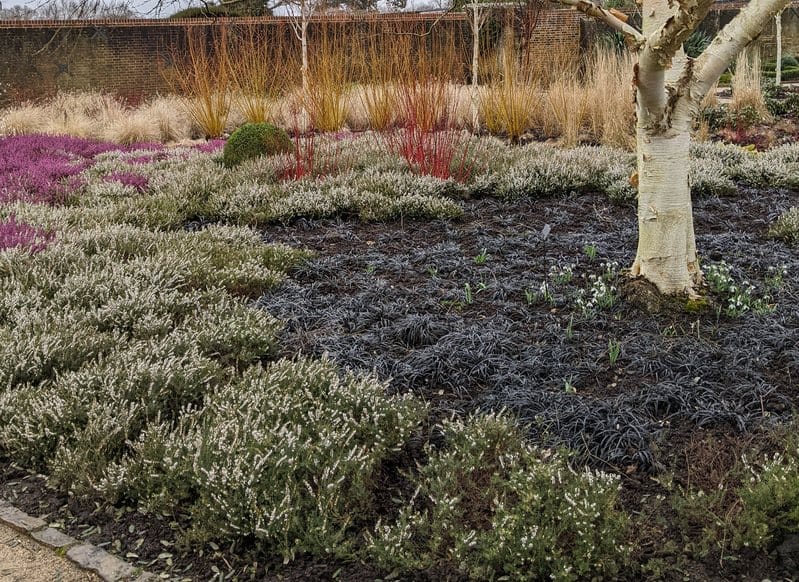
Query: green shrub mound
{"points": [[787, 61], [494, 507], [253, 140]]}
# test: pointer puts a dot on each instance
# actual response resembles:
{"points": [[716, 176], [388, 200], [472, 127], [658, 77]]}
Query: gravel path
{"points": [[21, 558]]}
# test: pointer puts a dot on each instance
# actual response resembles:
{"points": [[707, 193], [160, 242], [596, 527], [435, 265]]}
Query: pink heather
{"points": [[128, 179], [210, 146], [15, 234], [44, 169]]}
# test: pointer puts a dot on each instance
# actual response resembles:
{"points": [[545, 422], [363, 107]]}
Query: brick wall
{"points": [[129, 57], [555, 30]]}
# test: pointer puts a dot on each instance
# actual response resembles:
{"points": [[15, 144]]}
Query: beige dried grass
{"points": [[136, 127], [359, 116], [462, 105], [711, 99], [746, 88], [567, 110], [23, 120], [168, 115], [610, 101]]}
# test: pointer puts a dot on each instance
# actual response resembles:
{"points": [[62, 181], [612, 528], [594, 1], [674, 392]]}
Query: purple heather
{"points": [[15, 234], [44, 169]]}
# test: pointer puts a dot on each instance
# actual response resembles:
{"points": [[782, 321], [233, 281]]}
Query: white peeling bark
{"points": [[666, 253], [740, 31]]}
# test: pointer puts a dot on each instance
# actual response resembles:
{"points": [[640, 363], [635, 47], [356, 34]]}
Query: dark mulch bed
{"points": [[688, 393], [392, 299]]}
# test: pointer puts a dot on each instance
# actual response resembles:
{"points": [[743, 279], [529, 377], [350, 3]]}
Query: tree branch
{"points": [[663, 44], [591, 9], [741, 31]]}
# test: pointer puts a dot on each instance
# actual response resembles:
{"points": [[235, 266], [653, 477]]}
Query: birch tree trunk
{"points": [[475, 45], [669, 90], [666, 253], [304, 48], [778, 67]]}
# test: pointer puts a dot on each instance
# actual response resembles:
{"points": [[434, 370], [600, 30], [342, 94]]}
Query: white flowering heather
{"points": [[56, 218], [113, 328], [370, 195], [103, 404], [728, 155], [288, 454], [770, 500], [490, 505], [709, 177], [775, 168], [716, 168], [540, 171], [786, 226]]}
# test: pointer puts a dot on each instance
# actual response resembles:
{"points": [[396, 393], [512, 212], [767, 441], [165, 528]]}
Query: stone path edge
{"points": [[86, 556]]}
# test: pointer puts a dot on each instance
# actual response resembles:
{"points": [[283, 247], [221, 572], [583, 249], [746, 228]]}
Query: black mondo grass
{"points": [[407, 319]]}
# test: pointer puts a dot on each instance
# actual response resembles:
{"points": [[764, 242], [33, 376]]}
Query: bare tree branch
{"points": [[742, 30], [592, 9]]}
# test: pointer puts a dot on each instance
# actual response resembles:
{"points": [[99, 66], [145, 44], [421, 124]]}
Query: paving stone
{"points": [[109, 567], [15, 518], [52, 538]]}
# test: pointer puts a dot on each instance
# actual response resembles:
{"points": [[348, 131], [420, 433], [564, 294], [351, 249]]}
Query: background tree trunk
{"points": [[304, 47], [778, 67]]}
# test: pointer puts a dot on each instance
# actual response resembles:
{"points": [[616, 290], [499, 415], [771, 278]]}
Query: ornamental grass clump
{"points": [[325, 97], [260, 71], [490, 505], [204, 78], [509, 107], [253, 140], [287, 454]]}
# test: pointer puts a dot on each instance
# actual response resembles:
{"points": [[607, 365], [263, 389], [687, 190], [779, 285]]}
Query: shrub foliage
{"points": [[252, 140]]}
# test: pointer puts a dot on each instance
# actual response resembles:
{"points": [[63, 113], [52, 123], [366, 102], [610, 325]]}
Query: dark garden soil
{"points": [[440, 308]]}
